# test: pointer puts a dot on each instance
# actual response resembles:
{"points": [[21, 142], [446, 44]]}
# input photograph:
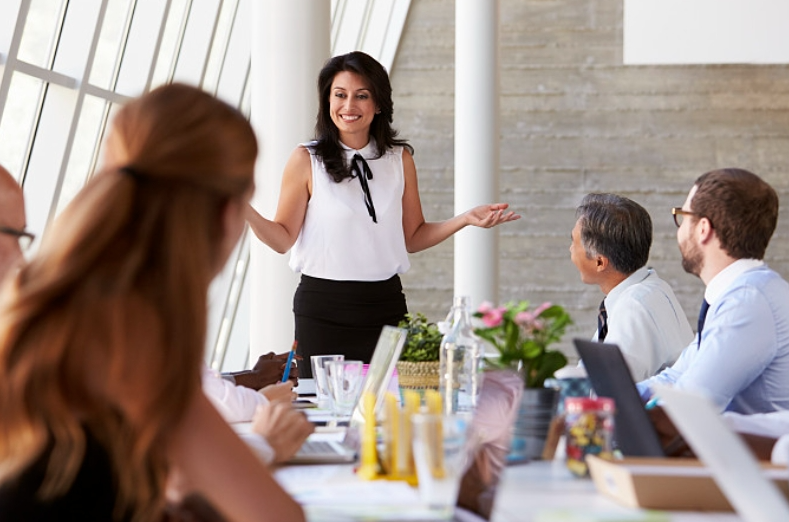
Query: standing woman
{"points": [[349, 207], [102, 333]]}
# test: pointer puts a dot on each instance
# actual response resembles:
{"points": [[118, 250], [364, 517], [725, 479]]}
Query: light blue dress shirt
{"points": [[647, 322], [743, 361]]}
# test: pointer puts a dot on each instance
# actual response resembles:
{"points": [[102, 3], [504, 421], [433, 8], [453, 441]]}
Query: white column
{"points": [[290, 45], [476, 144]]}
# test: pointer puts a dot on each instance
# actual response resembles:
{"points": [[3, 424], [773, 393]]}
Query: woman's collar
{"points": [[367, 151]]}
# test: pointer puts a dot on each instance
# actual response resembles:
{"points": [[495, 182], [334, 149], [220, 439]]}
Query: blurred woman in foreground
{"points": [[102, 334]]}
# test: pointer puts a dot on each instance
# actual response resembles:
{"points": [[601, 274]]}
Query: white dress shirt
{"points": [[742, 363], [237, 404], [647, 322]]}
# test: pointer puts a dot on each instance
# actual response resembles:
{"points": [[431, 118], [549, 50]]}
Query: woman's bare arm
{"points": [[421, 235], [281, 233]]}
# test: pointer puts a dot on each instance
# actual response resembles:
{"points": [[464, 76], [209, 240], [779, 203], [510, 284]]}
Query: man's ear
{"points": [[601, 263], [704, 230]]}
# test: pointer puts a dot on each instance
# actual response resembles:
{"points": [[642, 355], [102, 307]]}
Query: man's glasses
{"points": [[24, 237], [679, 215]]}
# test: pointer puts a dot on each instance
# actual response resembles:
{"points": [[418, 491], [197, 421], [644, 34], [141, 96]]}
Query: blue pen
{"points": [[286, 375], [652, 402]]}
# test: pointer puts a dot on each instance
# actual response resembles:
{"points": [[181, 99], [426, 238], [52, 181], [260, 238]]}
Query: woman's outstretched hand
{"points": [[488, 216]]}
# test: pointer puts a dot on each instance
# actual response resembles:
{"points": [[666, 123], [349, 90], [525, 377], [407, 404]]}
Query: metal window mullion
{"points": [[158, 46], [394, 29], [237, 277], [245, 88], [337, 17], [360, 38], [237, 57], [110, 96], [77, 111], [122, 43], [226, 49], [180, 40], [47, 75], [211, 41], [195, 43], [13, 52]]}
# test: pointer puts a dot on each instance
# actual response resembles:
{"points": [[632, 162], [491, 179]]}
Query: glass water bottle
{"points": [[460, 357]]}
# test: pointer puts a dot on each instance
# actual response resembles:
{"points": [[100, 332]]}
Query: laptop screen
{"points": [[610, 377]]}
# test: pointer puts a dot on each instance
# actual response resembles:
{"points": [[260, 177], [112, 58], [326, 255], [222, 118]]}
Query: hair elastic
{"points": [[133, 173]]}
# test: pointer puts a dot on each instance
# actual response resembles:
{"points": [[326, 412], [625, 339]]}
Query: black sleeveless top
{"points": [[90, 498]]}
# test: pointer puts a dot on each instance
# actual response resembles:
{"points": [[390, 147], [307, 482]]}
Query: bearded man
{"points": [[740, 355]]}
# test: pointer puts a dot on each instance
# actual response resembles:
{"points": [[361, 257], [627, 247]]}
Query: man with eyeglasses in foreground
{"points": [[740, 356], [13, 236]]}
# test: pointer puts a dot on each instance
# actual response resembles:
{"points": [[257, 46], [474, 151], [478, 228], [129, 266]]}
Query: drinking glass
{"points": [[318, 363], [344, 379], [441, 457]]}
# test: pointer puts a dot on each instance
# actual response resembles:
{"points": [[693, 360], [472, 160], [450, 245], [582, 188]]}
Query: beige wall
{"points": [[575, 120]]}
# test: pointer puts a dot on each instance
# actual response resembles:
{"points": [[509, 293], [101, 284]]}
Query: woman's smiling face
{"points": [[351, 107]]}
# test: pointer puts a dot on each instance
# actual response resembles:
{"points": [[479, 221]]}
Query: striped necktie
{"points": [[602, 322]]}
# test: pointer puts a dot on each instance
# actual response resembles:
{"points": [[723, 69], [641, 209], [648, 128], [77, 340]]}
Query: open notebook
{"points": [[734, 467], [376, 381]]}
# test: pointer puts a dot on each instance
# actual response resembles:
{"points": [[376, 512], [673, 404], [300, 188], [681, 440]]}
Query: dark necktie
{"points": [[702, 317], [364, 173], [602, 322]]}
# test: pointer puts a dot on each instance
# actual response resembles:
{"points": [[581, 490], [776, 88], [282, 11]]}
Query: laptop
{"points": [[736, 471], [609, 375], [316, 449], [305, 388]]}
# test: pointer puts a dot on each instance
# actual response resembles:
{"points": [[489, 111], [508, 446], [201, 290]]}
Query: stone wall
{"points": [[575, 120]]}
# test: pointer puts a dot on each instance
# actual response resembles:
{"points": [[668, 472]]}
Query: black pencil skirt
{"points": [[344, 317]]}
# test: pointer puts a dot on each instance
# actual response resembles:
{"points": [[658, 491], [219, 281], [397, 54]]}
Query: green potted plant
{"points": [[523, 338], [418, 364]]}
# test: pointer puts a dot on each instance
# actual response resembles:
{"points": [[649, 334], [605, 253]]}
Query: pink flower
{"points": [[540, 309], [524, 318], [493, 318], [485, 307]]}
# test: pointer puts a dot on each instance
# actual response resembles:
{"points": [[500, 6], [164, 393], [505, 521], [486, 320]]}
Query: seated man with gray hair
{"points": [[640, 313]]}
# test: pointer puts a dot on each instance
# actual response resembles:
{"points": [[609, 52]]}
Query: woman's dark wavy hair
{"points": [[326, 133]]}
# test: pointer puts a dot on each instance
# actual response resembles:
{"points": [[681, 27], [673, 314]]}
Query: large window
{"points": [[66, 66]]}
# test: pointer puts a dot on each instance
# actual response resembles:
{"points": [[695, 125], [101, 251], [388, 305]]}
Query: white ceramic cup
{"points": [[318, 363]]}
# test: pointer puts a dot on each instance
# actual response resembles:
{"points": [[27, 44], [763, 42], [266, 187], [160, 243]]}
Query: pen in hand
{"points": [[286, 374]]}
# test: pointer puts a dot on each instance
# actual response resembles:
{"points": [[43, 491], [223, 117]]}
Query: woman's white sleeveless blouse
{"points": [[339, 240]]}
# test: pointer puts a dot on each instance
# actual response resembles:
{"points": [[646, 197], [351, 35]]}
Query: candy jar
{"points": [[589, 430]]}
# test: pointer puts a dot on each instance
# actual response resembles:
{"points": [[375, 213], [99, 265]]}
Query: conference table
{"points": [[539, 491]]}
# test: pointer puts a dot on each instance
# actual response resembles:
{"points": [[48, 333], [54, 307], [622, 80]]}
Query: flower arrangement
{"points": [[522, 337]]}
